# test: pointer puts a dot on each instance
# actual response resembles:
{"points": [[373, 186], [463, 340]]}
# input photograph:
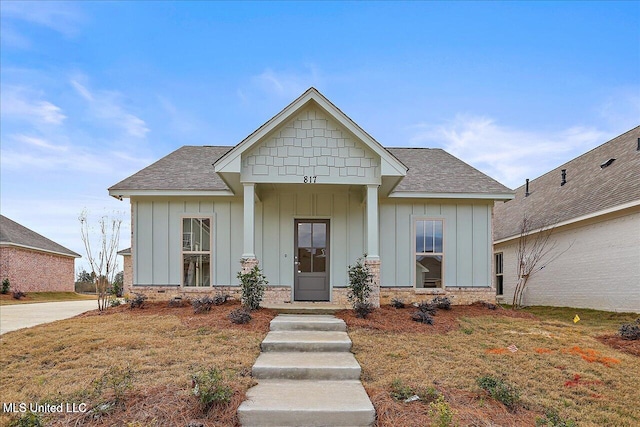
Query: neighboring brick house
{"points": [[33, 263], [593, 203]]}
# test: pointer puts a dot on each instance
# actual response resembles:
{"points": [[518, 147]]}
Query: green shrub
{"points": [[29, 419], [137, 301], [115, 303], [427, 307], [210, 387], [397, 303], [553, 419], [422, 317], [443, 303], [442, 412], [17, 294], [202, 304], [252, 284], [359, 288], [501, 391], [6, 285]]}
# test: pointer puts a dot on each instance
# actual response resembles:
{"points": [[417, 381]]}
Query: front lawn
{"points": [[156, 351], [558, 366], [32, 297]]}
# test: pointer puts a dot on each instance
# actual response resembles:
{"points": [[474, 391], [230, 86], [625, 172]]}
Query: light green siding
{"points": [[467, 240]]}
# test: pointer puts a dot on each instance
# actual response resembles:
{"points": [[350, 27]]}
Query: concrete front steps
{"points": [[306, 377]]}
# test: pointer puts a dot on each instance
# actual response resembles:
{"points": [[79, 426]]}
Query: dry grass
{"points": [[559, 365], [163, 346], [33, 297]]}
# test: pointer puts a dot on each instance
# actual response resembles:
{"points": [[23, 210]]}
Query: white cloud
{"points": [[62, 17], [24, 104], [284, 84], [506, 154], [39, 142], [106, 106]]}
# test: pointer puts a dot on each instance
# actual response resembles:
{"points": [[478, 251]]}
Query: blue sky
{"points": [[91, 92]]}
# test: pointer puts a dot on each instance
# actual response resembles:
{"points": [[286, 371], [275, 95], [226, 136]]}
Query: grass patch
{"points": [[158, 350], [560, 367], [33, 297]]}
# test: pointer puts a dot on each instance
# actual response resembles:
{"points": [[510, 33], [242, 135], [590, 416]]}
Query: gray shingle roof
{"points": [[13, 233], [433, 170], [187, 168], [430, 171], [589, 187]]}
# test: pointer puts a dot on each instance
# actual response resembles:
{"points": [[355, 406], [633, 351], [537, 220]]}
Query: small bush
{"points": [[363, 309], [115, 303], [30, 419], [116, 380], [422, 317], [137, 301], [489, 305], [359, 287], [630, 331], [553, 419], [252, 284], [210, 387], [427, 307], [501, 391], [397, 303], [202, 304], [240, 316], [17, 294], [6, 285], [442, 412], [176, 302], [443, 303], [220, 297]]}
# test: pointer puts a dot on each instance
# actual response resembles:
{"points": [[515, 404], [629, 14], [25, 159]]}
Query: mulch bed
{"points": [[217, 318], [626, 346], [390, 319]]}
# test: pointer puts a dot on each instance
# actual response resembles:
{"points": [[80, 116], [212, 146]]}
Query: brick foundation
{"points": [[36, 271], [458, 296]]}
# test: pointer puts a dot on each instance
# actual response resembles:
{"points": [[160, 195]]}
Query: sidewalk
{"points": [[18, 316]]}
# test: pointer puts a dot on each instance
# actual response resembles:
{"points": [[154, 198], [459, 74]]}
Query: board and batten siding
{"points": [[600, 268], [157, 238], [467, 242], [342, 207]]}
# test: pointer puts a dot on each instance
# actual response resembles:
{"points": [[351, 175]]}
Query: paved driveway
{"points": [[13, 317]]}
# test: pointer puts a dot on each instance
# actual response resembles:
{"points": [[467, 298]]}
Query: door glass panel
{"points": [[304, 260], [319, 235], [304, 234], [319, 260]]}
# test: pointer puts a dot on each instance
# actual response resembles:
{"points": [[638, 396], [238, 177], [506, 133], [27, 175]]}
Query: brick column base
{"points": [[374, 269], [247, 264]]}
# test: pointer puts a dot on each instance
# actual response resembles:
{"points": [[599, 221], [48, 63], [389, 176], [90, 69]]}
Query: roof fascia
{"points": [[577, 219], [419, 195], [33, 248], [231, 162], [120, 194]]}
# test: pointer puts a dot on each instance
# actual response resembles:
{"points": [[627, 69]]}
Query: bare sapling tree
{"points": [[103, 262], [535, 251]]}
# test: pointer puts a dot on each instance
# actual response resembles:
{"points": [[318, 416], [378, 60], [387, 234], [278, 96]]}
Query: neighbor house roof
{"points": [[591, 187], [125, 252], [431, 171], [14, 234]]}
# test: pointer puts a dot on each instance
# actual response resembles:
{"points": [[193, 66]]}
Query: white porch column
{"points": [[372, 223], [249, 220]]}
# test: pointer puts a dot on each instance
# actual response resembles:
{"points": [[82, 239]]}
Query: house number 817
{"points": [[310, 179]]}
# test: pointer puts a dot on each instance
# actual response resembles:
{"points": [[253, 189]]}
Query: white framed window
{"points": [[196, 252], [428, 252], [499, 273]]}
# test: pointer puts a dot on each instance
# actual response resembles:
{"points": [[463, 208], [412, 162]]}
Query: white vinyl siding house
{"points": [[303, 197], [595, 216]]}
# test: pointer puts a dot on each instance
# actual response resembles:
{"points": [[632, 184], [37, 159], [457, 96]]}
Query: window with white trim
{"points": [[196, 252], [429, 253], [499, 274]]}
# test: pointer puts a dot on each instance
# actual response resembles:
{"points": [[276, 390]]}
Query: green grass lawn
{"points": [[33, 297]]}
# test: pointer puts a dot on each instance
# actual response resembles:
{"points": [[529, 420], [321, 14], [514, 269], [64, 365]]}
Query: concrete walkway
{"points": [[307, 376], [18, 316]]}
